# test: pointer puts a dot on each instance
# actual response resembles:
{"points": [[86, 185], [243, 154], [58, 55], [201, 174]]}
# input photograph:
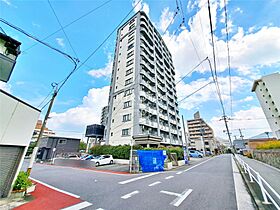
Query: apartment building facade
{"points": [[142, 99], [201, 135], [267, 91]]}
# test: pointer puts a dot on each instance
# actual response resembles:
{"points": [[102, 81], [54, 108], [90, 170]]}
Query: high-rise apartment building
{"points": [[267, 91], [201, 135], [142, 99]]}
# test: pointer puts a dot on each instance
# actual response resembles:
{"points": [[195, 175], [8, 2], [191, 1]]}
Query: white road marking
{"points": [[243, 199], [137, 178], [200, 164], [179, 172], [130, 194], [54, 188], [170, 193], [78, 206], [155, 183], [181, 198], [99, 209], [169, 177]]}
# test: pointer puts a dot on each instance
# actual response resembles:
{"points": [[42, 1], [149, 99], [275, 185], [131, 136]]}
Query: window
{"points": [[131, 33], [62, 141], [132, 21], [128, 63], [114, 108], [128, 92], [128, 81], [127, 104], [132, 26], [130, 39], [113, 120], [116, 87], [131, 53], [126, 132], [126, 117], [111, 133], [129, 71], [130, 46]]}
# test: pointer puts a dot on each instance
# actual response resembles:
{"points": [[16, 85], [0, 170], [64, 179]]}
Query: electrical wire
{"points": [[62, 29], [3, 30], [194, 68], [172, 20], [195, 91], [98, 47], [69, 24], [45, 98]]}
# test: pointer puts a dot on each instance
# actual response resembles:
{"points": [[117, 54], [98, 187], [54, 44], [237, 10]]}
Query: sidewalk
{"points": [[269, 173], [47, 197]]}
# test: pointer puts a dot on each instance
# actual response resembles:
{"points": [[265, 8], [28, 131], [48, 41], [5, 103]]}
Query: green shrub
{"points": [[178, 150], [269, 145], [22, 181]]}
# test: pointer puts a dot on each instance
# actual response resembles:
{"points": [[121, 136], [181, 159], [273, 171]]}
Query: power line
{"points": [[228, 56], [62, 28], [192, 70], [195, 91], [172, 20], [72, 22]]}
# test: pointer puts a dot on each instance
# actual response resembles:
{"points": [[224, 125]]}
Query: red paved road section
{"points": [[46, 198]]}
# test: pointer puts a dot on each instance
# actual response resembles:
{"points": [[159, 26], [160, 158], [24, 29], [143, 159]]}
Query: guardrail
{"points": [[268, 193]]}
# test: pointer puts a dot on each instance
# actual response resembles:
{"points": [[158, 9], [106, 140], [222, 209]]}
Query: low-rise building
{"points": [[54, 146], [46, 131]]}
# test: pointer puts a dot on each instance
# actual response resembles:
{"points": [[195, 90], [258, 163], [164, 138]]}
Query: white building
{"points": [[142, 99], [267, 90]]}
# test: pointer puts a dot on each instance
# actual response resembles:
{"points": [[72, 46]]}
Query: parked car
{"points": [[90, 157], [73, 156], [195, 154], [103, 160], [84, 156]]}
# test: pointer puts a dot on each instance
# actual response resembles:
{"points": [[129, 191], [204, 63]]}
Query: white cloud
{"points": [[60, 42], [141, 6], [8, 2], [239, 10], [209, 92], [103, 72], [165, 19], [6, 87], [248, 98], [89, 112], [251, 121]]}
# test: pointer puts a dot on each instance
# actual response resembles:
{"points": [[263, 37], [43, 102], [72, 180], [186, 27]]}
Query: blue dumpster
{"points": [[151, 160]]}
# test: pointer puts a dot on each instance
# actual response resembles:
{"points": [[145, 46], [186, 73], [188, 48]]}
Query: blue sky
{"points": [[254, 28]]}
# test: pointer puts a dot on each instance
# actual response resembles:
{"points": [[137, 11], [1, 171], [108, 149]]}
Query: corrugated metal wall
{"points": [[9, 160]]}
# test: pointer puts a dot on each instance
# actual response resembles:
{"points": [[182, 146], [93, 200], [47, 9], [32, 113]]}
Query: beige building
{"points": [[46, 132], [200, 134], [267, 90], [143, 100]]}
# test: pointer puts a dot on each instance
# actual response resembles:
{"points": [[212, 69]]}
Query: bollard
{"points": [[262, 189]]}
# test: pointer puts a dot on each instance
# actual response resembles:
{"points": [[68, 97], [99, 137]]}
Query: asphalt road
{"points": [[208, 185]]}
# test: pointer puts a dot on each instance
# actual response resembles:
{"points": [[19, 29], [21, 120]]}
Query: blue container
{"points": [[151, 160]]}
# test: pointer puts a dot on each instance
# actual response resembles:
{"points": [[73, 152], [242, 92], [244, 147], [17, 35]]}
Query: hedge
{"points": [[269, 145], [123, 151]]}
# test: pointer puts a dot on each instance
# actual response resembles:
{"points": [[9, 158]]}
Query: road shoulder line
{"points": [[54, 188]]}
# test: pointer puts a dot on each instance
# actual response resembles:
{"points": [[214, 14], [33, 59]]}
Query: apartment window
{"points": [[127, 104], [129, 71], [128, 92], [116, 87], [114, 108], [132, 26], [126, 117], [131, 53], [62, 141], [126, 132], [113, 120], [111, 133], [130, 46], [132, 21], [131, 33], [130, 62], [115, 97], [130, 39], [128, 81]]}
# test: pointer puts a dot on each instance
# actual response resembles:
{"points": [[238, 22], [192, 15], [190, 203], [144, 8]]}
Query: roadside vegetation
{"points": [[22, 182], [269, 145], [123, 151]]}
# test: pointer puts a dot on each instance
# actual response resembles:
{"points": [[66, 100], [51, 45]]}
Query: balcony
{"points": [[147, 75], [147, 85], [147, 96], [146, 121], [164, 128]]}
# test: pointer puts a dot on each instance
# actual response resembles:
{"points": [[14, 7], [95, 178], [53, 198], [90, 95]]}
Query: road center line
{"points": [[130, 194], [199, 164], [181, 198], [155, 183], [169, 177], [179, 172], [78, 206], [137, 178]]}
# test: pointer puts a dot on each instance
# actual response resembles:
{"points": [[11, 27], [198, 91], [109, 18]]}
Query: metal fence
{"points": [[268, 193]]}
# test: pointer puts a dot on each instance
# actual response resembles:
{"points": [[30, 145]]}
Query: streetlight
{"points": [[9, 51]]}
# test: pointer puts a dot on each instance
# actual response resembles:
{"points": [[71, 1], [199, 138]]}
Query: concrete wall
{"points": [[271, 157]]}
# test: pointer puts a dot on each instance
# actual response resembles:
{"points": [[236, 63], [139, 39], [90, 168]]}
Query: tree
{"points": [[83, 145]]}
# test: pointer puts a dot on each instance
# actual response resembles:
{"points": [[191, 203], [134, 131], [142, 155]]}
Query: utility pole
{"points": [[35, 150], [227, 130], [186, 140], [241, 136]]}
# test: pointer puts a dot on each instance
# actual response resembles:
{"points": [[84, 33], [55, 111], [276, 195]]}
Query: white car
{"points": [[103, 159]]}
